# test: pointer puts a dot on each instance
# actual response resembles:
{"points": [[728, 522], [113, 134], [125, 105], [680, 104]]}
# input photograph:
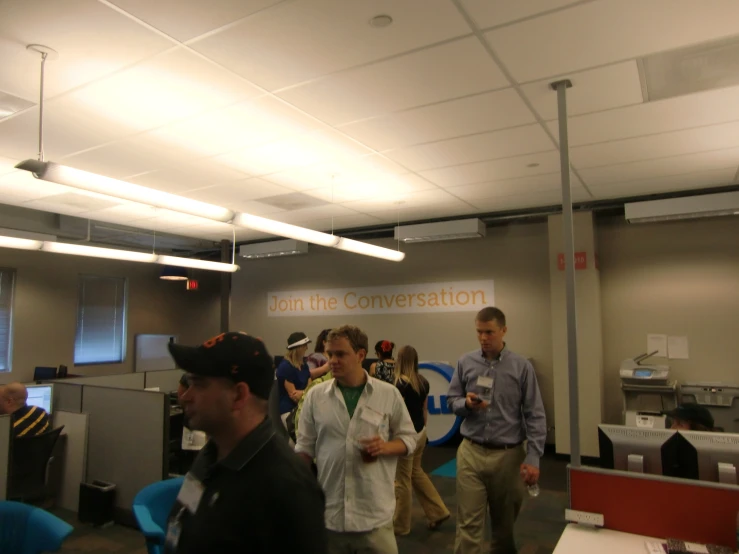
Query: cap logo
{"points": [[210, 343]]}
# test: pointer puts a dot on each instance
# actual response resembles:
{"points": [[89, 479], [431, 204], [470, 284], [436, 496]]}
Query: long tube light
{"points": [[284, 229], [64, 175], [197, 264], [367, 249], [113, 254]]}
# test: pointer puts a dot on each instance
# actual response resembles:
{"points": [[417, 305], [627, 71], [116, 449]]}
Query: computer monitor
{"points": [[709, 456], [42, 373], [41, 396], [653, 451]]}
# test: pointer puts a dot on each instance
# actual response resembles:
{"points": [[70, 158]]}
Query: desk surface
{"points": [[578, 539]]}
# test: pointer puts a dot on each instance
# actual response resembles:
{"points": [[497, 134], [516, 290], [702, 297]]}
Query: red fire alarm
{"points": [[192, 284]]}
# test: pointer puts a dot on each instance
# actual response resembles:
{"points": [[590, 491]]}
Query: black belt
{"points": [[494, 446]]}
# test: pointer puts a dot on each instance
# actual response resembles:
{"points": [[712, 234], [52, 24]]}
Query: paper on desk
{"points": [[658, 343], [677, 348]]}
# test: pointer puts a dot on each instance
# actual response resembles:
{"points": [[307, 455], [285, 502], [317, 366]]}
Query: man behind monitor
{"points": [[691, 417], [28, 421]]}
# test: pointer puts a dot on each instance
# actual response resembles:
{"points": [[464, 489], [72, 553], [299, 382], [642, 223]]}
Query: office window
{"points": [[7, 281], [101, 320]]}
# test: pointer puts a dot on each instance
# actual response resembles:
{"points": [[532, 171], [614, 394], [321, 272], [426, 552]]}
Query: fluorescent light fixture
{"points": [[686, 207], [96, 252], [172, 273], [22, 244], [444, 230], [197, 264], [69, 176], [367, 249], [284, 229], [273, 249]]}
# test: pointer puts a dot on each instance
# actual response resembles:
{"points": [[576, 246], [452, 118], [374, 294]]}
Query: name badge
{"points": [[191, 493], [174, 529], [485, 382]]}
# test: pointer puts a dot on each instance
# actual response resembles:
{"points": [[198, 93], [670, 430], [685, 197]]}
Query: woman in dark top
{"points": [[409, 475], [384, 368], [293, 375]]}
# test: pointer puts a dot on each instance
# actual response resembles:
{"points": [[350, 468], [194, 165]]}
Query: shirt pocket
{"points": [[507, 393]]}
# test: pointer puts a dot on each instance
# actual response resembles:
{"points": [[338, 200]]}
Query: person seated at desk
{"points": [[691, 417], [27, 421]]}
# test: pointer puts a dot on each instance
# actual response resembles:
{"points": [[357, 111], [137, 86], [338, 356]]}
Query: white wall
{"points": [[674, 278], [514, 256], [45, 309]]}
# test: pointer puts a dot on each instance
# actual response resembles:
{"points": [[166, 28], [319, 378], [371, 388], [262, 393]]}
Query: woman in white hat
{"points": [[293, 374]]}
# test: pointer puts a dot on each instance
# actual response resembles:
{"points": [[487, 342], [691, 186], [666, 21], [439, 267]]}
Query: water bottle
{"points": [[533, 490]]}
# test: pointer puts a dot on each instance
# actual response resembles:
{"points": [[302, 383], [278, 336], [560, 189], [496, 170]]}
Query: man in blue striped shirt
{"points": [[27, 421], [496, 392]]}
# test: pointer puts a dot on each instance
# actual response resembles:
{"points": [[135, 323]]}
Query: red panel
{"points": [[656, 508]]}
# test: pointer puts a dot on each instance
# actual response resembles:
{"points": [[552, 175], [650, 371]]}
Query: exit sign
{"points": [[581, 261]]}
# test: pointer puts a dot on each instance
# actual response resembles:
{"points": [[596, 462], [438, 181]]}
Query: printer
{"points": [[648, 392]]}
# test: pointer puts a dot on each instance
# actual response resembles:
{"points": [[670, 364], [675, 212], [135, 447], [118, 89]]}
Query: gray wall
{"points": [[45, 309], [674, 278], [515, 257]]}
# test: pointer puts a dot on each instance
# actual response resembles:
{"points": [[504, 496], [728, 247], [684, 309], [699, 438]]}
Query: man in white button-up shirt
{"points": [[355, 427]]}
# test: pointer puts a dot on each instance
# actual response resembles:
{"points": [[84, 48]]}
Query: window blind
{"points": [[7, 282], [101, 320]]}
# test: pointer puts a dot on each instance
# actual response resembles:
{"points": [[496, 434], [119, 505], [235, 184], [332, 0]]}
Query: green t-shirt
{"points": [[351, 397]]}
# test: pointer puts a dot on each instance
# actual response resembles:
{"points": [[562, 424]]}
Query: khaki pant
{"points": [[410, 478], [377, 541], [487, 479]]}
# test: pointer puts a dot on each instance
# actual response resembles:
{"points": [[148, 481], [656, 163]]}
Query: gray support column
{"points": [[225, 287], [569, 252]]}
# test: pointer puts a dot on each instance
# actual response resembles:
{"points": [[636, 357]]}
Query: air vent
{"points": [[445, 230], [693, 69], [292, 201], [273, 249], [687, 207]]}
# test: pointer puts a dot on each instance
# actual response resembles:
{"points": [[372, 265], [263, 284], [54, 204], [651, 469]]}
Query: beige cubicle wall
{"points": [[74, 463], [127, 441], [121, 380], [5, 434], [165, 380], [67, 396]]}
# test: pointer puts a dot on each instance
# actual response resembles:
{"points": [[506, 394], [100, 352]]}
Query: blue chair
{"points": [[25, 529], [151, 508]]}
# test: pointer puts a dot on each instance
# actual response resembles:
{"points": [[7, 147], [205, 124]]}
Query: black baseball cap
{"points": [[236, 356], [297, 339], [692, 413]]}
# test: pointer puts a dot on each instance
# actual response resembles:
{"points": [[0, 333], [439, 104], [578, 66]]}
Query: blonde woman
{"points": [[293, 375], [409, 476]]}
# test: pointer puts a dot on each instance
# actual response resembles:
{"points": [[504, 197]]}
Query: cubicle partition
{"points": [[74, 461], [120, 380], [5, 437], [67, 396], [127, 442], [166, 380], [656, 506]]}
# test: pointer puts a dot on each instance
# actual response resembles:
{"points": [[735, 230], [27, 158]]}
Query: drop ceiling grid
{"points": [[377, 131]]}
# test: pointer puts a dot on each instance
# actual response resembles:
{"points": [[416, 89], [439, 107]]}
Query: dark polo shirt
{"points": [[261, 498]]}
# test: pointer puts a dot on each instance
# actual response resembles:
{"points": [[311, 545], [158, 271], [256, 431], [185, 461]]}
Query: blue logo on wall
{"points": [[438, 405], [442, 423]]}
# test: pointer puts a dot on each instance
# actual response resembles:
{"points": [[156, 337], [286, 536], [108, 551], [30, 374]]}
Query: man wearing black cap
{"points": [[247, 491], [691, 417]]}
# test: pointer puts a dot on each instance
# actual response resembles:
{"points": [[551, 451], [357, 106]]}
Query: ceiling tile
{"points": [[119, 160], [597, 33], [599, 89], [314, 212], [491, 13], [529, 200], [475, 148], [661, 167], [690, 181], [255, 207], [7, 165], [22, 186], [169, 87], [342, 222], [696, 110], [124, 213], [301, 40], [464, 116], [237, 192], [251, 123], [194, 17], [92, 41], [388, 186], [295, 152], [495, 170], [524, 185], [403, 201], [410, 214], [188, 176], [676, 143], [432, 75]]}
